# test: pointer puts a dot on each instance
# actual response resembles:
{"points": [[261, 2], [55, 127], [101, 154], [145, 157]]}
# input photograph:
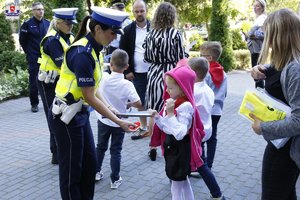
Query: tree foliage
{"points": [[6, 39], [220, 32]]}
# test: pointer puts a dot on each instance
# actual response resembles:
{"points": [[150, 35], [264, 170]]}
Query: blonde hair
{"points": [[200, 66], [282, 37], [164, 16], [53, 24], [214, 48], [119, 58]]}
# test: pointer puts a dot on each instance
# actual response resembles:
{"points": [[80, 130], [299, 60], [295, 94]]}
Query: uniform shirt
{"points": [[31, 33], [204, 101], [54, 49], [81, 62], [179, 124], [220, 94], [125, 91]]}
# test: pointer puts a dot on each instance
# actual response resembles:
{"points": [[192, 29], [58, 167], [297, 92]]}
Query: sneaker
{"points": [[152, 154], [140, 133], [54, 160], [99, 176], [116, 184], [218, 198], [195, 175], [34, 109]]}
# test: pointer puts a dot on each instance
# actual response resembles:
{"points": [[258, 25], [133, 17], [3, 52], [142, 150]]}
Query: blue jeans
{"points": [[279, 174], [33, 90], [117, 137], [210, 181], [212, 142], [47, 93], [76, 156], [140, 84]]}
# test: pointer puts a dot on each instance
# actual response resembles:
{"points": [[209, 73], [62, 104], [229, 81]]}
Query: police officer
{"points": [[53, 47], [31, 34], [75, 90]]}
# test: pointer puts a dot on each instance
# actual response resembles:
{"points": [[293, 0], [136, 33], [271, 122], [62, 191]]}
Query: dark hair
{"points": [[164, 16], [82, 30], [119, 58]]}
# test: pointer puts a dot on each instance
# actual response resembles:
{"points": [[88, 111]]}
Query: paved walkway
{"points": [[26, 172]]}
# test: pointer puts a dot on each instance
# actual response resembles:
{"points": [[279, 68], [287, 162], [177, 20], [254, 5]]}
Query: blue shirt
{"points": [[31, 33], [81, 62]]}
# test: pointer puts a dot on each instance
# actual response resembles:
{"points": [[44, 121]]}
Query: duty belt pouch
{"points": [[177, 155]]}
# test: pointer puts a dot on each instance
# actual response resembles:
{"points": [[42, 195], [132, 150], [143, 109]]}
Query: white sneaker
{"points": [[99, 176], [116, 184]]}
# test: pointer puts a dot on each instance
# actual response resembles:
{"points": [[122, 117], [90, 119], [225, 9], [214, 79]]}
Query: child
{"points": [[204, 99], [116, 92], [216, 79], [178, 130]]}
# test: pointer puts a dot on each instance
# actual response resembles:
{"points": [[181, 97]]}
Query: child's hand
{"points": [[154, 113], [170, 104]]}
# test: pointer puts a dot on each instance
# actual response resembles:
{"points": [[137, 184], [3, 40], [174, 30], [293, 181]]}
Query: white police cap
{"points": [[111, 17], [66, 14]]}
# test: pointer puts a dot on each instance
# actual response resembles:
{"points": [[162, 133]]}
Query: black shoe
{"points": [[136, 137], [54, 160], [34, 109], [152, 154]]}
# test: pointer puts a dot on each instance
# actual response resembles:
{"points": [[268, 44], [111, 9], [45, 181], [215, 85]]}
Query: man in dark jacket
{"points": [[32, 32], [132, 42]]}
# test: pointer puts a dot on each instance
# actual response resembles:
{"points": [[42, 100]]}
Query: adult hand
{"points": [[170, 104], [256, 124], [127, 126], [257, 72], [129, 76]]}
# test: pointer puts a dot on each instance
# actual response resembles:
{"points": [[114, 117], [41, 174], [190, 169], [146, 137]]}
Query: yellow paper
{"points": [[261, 109]]}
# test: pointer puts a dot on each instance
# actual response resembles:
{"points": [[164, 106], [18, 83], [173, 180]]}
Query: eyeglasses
{"points": [[39, 9]]}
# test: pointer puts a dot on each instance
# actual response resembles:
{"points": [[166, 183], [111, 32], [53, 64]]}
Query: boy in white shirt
{"points": [[203, 94], [116, 91]]}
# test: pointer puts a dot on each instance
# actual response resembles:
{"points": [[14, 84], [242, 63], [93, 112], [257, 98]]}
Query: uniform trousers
{"points": [[76, 156], [47, 93], [33, 90]]}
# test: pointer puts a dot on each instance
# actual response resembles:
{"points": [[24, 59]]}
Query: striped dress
{"points": [[163, 49]]}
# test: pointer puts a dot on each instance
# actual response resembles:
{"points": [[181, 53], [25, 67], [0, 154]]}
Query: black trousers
{"points": [[279, 174]]}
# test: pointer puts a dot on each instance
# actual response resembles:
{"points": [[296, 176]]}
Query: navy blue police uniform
{"points": [[31, 34], [75, 142]]}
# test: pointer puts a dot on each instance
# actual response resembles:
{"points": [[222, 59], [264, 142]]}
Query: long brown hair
{"points": [[282, 38], [164, 16], [83, 30]]}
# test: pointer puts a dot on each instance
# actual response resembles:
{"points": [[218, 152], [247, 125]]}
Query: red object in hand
{"points": [[135, 127]]}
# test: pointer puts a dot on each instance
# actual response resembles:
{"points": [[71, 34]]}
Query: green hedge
{"points": [[13, 84], [10, 60], [199, 39], [242, 58]]}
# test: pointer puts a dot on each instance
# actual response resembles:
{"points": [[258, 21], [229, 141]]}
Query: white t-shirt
{"points": [[204, 100], [116, 90], [140, 66]]}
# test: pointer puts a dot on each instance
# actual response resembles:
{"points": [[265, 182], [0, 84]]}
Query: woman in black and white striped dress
{"points": [[163, 49]]}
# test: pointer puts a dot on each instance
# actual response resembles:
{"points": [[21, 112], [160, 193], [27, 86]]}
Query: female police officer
{"points": [[79, 78], [53, 47]]}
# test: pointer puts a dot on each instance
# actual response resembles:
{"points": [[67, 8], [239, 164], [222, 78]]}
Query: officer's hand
{"points": [[127, 126]]}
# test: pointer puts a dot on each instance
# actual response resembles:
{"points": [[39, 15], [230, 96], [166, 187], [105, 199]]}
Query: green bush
{"points": [[237, 40], [199, 39], [242, 58], [13, 84], [194, 54], [10, 60], [6, 38]]}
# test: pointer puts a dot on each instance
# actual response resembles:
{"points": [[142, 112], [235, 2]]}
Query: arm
{"points": [[179, 125], [55, 50], [23, 36], [290, 126], [180, 47]]}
